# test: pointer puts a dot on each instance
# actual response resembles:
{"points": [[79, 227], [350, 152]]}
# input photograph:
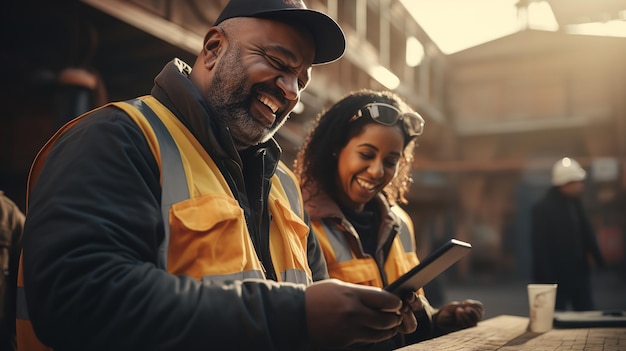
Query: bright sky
{"points": [[456, 25]]}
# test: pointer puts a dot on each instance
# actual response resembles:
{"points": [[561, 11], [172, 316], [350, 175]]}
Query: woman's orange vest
{"points": [[345, 265]]}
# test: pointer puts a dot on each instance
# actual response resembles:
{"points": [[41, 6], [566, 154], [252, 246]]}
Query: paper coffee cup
{"points": [[541, 300]]}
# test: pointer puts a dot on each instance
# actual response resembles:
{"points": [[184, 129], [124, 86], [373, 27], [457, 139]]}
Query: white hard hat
{"points": [[567, 170]]}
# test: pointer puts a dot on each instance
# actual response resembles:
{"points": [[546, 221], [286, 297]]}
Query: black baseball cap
{"points": [[330, 42]]}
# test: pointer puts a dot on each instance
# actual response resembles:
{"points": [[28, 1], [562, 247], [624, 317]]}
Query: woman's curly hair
{"points": [[316, 162]]}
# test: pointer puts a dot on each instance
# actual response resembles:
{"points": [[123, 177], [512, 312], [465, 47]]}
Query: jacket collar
{"points": [[319, 205], [173, 88]]}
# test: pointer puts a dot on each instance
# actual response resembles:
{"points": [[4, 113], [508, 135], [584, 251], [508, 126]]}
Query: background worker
{"points": [[563, 239]]}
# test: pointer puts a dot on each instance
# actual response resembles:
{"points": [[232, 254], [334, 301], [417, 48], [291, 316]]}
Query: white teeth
{"points": [[366, 185], [267, 102]]}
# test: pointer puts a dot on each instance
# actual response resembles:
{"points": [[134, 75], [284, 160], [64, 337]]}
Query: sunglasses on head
{"points": [[389, 115]]}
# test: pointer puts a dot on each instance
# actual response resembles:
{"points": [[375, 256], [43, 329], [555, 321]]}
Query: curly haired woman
{"points": [[354, 168]]}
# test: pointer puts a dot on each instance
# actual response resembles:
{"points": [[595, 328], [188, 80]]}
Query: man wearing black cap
{"points": [[167, 222]]}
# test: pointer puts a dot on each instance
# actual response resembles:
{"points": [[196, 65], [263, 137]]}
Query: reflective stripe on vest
{"points": [[288, 183], [284, 183], [174, 187], [338, 242], [292, 188], [406, 234]]}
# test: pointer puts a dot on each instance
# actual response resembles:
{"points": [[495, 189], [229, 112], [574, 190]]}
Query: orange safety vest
{"points": [[199, 207], [344, 264]]}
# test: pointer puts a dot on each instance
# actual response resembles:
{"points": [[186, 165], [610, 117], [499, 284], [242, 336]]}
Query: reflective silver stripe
{"points": [[291, 189], [293, 195], [174, 186], [21, 312], [291, 275], [296, 276], [337, 241], [405, 237], [234, 276]]}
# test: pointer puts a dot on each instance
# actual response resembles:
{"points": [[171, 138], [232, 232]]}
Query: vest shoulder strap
{"points": [[174, 187], [406, 232], [291, 188]]}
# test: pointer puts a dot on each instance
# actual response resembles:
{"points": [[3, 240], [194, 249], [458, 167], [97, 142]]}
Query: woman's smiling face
{"points": [[367, 163]]}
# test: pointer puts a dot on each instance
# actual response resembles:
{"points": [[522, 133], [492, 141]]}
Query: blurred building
{"points": [[497, 115]]}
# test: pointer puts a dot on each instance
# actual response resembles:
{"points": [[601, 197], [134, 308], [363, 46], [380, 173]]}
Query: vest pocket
{"points": [[290, 222], [209, 237], [361, 271]]}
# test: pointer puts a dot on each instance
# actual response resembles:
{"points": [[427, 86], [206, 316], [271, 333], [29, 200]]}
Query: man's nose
{"points": [[288, 83]]}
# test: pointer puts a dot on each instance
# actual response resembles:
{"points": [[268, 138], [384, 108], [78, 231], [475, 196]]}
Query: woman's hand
{"points": [[459, 315]]}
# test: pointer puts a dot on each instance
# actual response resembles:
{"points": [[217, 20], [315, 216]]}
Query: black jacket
{"points": [[562, 238], [94, 226]]}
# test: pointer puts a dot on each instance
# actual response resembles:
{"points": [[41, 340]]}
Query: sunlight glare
{"points": [[541, 17], [414, 52], [456, 25], [385, 77], [616, 28]]}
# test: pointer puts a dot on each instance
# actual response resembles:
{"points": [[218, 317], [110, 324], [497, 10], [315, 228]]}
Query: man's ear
{"points": [[214, 40]]}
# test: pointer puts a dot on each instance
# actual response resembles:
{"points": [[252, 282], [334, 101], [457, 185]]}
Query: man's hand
{"points": [[340, 314], [459, 315], [411, 304]]}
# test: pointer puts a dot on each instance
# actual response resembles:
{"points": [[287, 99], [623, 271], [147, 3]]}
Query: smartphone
{"points": [[433, 265]]}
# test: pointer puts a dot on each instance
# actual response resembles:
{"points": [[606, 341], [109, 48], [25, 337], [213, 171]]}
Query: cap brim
{"points": [[330, 41]]}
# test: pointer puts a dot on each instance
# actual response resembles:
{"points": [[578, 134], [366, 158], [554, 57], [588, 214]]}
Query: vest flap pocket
{"points": [[288, 218], [203, 213], [210, 239], [359, 271]]}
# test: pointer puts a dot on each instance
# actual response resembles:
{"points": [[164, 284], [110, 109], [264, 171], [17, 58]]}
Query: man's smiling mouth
{"points": [[269, 103]]}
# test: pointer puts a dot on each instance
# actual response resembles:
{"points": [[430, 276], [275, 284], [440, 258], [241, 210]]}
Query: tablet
{"points": [[429, 268]]}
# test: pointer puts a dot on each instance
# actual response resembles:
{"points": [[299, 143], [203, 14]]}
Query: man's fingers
{"points": [[409, 323], [412, 301], [386, 301], [377, 320]]}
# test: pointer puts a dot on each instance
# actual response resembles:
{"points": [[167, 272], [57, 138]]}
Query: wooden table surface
{"points": [[510, 333]]}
